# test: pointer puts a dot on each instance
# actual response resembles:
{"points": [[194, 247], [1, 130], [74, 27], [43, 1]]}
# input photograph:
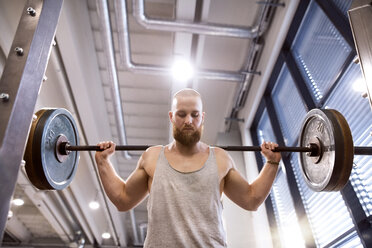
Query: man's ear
{"points": [[170, 113], [203, 115]]}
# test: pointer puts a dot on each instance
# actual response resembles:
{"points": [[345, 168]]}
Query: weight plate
{"points": [[342, 173], [332, 170], [44, 169]]}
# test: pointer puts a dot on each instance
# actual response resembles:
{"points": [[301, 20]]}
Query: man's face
{"points": [[187, 119]]}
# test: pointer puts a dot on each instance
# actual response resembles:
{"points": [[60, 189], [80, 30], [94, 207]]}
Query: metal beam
{"points": [[360, 220], [20, 84], [17, 229], [360, 16]]}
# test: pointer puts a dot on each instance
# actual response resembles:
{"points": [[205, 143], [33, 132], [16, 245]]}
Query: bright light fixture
{"points": [[359, 85], [182, 70], [18, 202], [106, 235], [94, 205], [10, 214]]}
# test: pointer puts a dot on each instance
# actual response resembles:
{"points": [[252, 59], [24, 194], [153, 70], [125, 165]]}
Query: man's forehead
{"points": [[192, 103]]}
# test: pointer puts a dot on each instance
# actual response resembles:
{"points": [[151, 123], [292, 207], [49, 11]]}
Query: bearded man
{"points": [[185, 181]]}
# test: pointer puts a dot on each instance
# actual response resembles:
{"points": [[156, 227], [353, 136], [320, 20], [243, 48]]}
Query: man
{"points": [[185, 180]]}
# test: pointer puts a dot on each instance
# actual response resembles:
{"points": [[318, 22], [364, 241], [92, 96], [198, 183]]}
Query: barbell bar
{"points": [[358, 150], [67, 147], [325, 146]]}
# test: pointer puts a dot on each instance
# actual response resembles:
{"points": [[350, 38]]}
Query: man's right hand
{"points": [[108, 149]]}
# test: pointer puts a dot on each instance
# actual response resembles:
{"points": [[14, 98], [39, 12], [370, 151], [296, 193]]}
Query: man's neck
{"points": [[185, 150]]}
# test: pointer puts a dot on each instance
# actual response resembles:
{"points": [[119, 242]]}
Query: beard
{"points": [[187, 137]]}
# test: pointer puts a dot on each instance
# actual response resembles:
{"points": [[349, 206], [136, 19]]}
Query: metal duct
{"points": [[191, 27], [125, 53], [102, 9]]}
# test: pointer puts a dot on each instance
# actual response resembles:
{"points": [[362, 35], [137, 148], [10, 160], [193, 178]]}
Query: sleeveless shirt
{"points": [[184, 209]]}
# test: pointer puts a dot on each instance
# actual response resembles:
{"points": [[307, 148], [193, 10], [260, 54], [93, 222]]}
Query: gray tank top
{"points": [[184, 209]]}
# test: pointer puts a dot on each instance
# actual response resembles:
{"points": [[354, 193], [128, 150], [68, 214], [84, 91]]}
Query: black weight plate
{"points": [[337, 148], [31, 168], [344, 162], [44, 169]]}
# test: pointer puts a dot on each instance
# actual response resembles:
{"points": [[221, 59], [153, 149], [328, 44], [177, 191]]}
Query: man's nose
{"points": [[188, 119]]}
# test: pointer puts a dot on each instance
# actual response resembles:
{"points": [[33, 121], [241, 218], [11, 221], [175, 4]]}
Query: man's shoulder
{"points": [[221, 153], [149, 157], [223, 160], [152, 151], [222, 156]]}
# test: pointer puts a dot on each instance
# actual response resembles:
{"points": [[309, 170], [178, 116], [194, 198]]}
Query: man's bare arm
{"points": [[251, 196], [124, 195]]}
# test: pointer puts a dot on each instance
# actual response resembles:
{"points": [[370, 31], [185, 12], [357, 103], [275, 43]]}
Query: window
{"points": [[347, 99], [326, 211], [343, 5], [320, 51], [265, 130], [289, 106], [323, 57]]}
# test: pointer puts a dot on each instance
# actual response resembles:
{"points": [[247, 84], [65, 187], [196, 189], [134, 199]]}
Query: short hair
{"points": [[185, 93]]}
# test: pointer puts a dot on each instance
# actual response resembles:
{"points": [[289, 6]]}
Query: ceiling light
{"points": [[106, 235], [18, 202], [10, 214], [94, 205], [182, 70]]}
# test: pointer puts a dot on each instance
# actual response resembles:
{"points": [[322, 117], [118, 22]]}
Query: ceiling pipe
{"points": [[103, 13], [125, 53], [191, 27], [254, 54], [103, 10]]}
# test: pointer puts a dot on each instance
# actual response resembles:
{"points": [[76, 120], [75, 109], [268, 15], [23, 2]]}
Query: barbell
{"points": [[326, 149]]}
